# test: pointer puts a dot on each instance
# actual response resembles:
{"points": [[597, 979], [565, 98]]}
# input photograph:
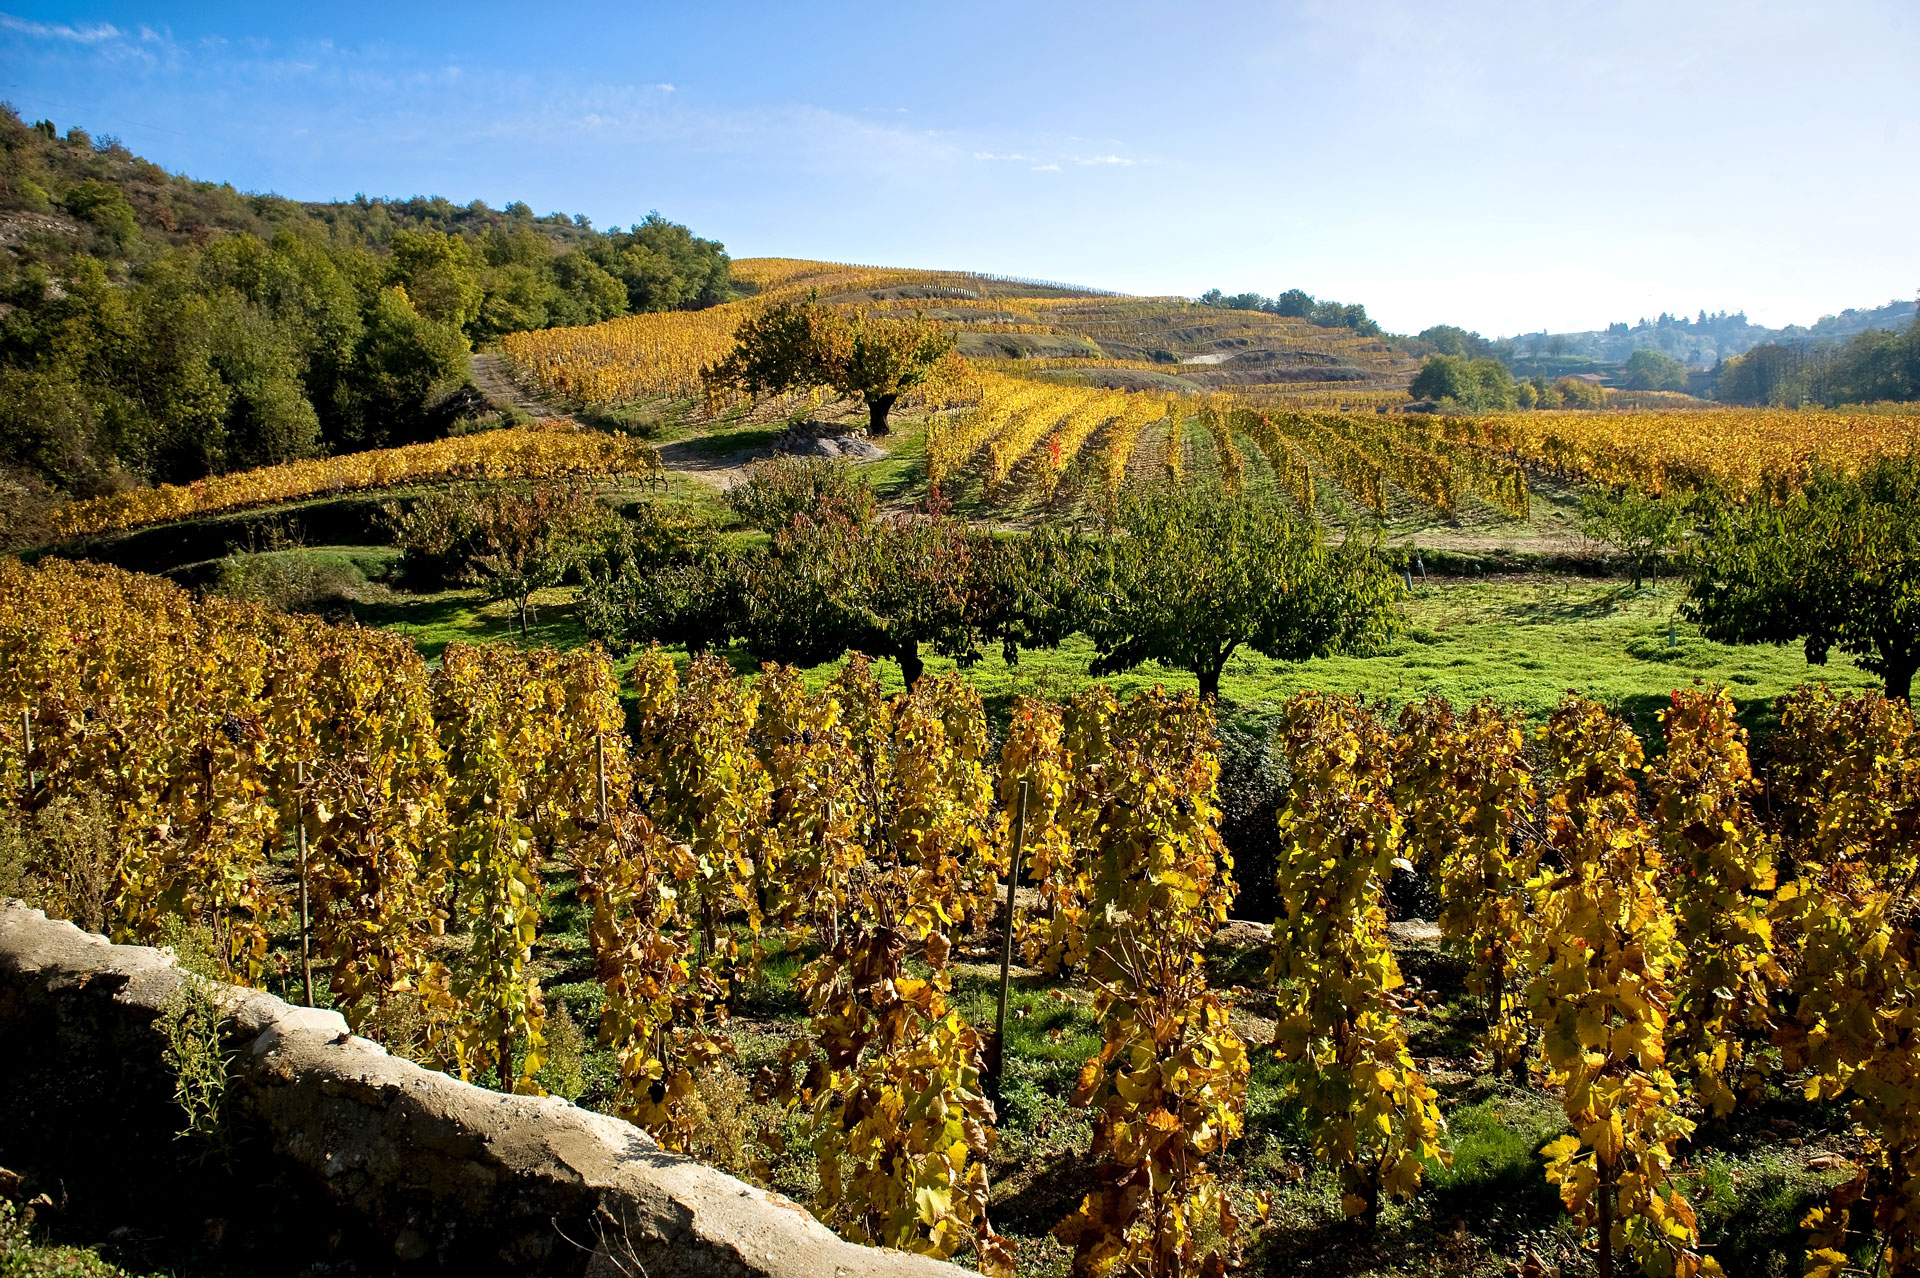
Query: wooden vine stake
{"points": [[306, 918], [1006, 943]]}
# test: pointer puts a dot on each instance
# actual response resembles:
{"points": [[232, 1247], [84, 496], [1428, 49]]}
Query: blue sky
{"points": [[1507, 167]]}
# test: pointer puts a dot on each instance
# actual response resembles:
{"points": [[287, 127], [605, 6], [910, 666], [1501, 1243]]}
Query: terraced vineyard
{"points": [[1124, 343]]}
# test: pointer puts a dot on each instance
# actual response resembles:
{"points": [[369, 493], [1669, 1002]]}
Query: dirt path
{"points": [[490, 376]]}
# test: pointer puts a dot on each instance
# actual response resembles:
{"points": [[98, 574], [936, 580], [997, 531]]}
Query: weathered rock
{"points": [[440, 1174]]}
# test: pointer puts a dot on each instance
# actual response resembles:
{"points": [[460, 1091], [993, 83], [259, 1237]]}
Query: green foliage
{"points": [[1875, 364], [1578, 392], [1642, 527], [66, 858], [1201, 573], [199, 1059], [173, 329], [1457, 342], [779, 489], [1836, 565], [1299, 304], [1477, 384], [1648, 369], [512, 539]]}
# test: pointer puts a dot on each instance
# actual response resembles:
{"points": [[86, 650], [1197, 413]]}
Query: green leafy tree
{"points": [[806, 345], [441, 273], [1577, 392], [1202, 573], [1648, 369], [1641, 527], [1878, 364], [1471, 383], [888, 588], [402, 361], [1836, 565]]}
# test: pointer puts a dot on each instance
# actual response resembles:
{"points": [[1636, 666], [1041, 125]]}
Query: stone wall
{"points": [[377, 1164]]}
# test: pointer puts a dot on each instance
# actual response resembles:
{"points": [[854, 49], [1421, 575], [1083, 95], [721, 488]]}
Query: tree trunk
{"points": [[878, 406], [1210, 676], [1900, 671], [506, 1061], [911, 667]]}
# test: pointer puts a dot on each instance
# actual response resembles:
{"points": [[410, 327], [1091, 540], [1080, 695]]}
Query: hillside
{"points": [[159, 329]]}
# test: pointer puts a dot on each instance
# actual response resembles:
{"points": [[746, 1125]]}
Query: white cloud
{"points": [[1046, 168], [1102, 159], [84, 33]]}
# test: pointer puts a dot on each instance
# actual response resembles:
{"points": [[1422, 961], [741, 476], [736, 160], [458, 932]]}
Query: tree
{"points": [[1641, 527], [441, 274], [1771, 373], [887, 588], [1578, 392], [1648, 369], [401, 361], [1202, 572], [802, 345], [1878, 364], [1295, 302], [1458, 342], [1471, 383], [513, 539], [1837, 565]]}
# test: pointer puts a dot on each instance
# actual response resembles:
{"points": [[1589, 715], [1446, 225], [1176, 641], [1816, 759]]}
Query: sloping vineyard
{"points": [[1032, 433], [1740, 448]]}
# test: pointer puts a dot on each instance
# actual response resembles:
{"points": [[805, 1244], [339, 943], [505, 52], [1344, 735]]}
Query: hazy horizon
{"points": [[1503, 168]]}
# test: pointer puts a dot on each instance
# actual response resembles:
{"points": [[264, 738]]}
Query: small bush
{"points": [[565, 1073], [64, 859], [78, 852], [641, 423], [289, 581], [778, 488]]}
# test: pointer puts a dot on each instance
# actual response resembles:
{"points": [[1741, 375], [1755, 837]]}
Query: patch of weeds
{"points": [[641, 422], [292, 581], [66, 858], [565, 1072], [201, 1064]]}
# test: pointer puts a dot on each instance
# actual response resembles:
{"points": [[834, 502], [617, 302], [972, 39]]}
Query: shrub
{"points": [[289, 582], [779, 488]]}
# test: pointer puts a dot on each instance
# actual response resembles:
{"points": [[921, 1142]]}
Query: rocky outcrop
{"points": [[424, 1172]]}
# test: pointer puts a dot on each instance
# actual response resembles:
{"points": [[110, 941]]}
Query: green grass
{"points": [[1525, 642]]}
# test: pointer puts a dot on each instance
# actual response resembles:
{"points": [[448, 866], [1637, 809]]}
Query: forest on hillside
{"points": [[154, 328]]}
